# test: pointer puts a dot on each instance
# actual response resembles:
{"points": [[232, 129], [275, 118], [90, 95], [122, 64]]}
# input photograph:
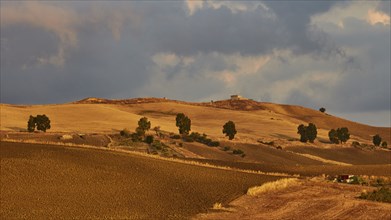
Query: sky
{"points": [[332, 54]]}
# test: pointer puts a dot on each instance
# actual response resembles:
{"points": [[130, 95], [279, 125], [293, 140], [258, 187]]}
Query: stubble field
{"points": [[44, 181]]}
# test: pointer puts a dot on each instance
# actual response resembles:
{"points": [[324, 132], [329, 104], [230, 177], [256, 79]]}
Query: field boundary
{"points": [[176, 160], [321, 159]]}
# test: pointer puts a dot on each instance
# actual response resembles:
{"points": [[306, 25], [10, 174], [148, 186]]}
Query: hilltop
{"points": [[254, 120]]}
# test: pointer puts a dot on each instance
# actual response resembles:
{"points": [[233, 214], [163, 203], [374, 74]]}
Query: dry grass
{"points": [[272, 186], [324, 160], [218, 206], [106, 117]]}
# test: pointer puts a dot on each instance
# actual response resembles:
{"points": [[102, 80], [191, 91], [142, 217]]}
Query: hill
{"points": [[254, 120]]}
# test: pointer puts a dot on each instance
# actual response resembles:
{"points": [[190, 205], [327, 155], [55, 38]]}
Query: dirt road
{"points": [[309, 200]]}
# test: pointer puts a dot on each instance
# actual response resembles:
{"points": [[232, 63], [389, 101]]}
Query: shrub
{"points": [[380, 195], [188, 138], [183, 123], [376, 140], [214, 144], [226, 148], [125, 133], [157, 145], [322, 110], [175, 136], [229, 130], [149, 139], [384, 144], [356, 144], [136, 137], [237, 151]]}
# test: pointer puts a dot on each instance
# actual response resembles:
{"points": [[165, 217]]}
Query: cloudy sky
{"points": [[309, 53]]}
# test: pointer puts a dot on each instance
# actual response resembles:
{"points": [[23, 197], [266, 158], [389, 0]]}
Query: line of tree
{"points": [[39, 122]]}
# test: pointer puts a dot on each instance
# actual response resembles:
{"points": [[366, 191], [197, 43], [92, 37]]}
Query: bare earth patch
{"points": [[312, 199]]}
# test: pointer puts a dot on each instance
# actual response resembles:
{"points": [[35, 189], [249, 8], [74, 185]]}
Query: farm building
{"points": [[237, 97]]}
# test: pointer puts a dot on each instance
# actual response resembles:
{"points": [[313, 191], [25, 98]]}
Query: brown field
{"points": [[348, 155], [309, 200], [44, 181]]}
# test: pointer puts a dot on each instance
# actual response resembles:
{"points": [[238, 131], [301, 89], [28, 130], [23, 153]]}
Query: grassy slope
{"points": [[274, 122]]}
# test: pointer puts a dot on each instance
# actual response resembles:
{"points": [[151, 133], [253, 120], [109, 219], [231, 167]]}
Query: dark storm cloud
{"points": [[106, 49]]}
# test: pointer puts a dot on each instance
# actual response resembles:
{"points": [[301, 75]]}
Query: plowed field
{"points": [[44, 181]]}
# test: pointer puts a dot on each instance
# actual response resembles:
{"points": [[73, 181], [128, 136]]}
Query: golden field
{"points": [[94, 175]]}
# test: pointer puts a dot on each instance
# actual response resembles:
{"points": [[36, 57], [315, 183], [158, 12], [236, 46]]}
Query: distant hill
{"points": [[254, 120]]}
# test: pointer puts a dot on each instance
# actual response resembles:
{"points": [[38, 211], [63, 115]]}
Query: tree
{"points": [[376, 140], [183, 123], [343, 134], [143, 126], [149, 139], [323, 110], [333, 136], [229, 130], [42, 122], [311, 132], [301, 129], [31, 124]]}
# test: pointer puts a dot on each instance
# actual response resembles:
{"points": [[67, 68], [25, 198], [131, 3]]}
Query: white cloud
{"points": [[194, 5], [361, 10], [234, 6], [376, 17]]}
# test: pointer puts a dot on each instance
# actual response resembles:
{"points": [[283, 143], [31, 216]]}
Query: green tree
{"points": [[323, 110], [143, 126], [149, 139], [42, 122], [183, 123], [384, 144], [31, 124], [343, 134], [301, 129], [376, 140], [229, 130], [311, 132], [333, 136]]}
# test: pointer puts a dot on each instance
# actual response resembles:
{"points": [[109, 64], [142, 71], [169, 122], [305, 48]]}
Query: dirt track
{"points": [[310, 200], [43, 181]]}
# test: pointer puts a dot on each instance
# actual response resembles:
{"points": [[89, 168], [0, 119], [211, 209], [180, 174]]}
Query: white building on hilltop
{"points": [[237, 97]]}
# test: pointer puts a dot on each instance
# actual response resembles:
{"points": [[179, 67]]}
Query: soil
{"points": [[46, 181]]}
